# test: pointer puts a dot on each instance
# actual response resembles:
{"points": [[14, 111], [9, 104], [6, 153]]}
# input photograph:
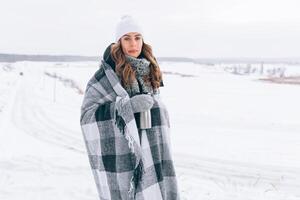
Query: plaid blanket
{"points": [[126, 162]]}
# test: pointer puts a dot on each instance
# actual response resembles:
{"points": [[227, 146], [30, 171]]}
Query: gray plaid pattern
{"points": [[115, 155]]}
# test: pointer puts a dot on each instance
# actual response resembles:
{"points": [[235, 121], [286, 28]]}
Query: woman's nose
{"points": [[132, 42]]}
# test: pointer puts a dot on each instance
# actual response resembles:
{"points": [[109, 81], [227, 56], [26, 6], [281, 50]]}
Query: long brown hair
{"points": [[127, 73]]}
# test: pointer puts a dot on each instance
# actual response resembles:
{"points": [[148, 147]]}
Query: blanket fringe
{"points": [[131, 192], [121, 125], [139, 170], [135, 179]]}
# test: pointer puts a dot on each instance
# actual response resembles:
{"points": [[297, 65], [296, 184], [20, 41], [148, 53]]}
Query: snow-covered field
{"points": [[233, 137]]}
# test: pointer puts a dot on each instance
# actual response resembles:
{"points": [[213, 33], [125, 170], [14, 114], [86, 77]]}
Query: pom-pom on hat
{"points": [[126, 25]]}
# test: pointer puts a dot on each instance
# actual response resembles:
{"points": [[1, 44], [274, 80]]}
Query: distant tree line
{"points": [[207, 61]]}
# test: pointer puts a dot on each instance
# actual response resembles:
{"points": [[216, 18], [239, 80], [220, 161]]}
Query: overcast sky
{"points": [[189, 28]]}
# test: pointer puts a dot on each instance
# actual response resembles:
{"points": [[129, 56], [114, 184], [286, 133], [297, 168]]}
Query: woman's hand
{"points": [[141, 103]]}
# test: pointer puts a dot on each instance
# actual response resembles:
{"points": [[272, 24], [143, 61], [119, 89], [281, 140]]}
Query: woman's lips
{"points": [[132, 51]]}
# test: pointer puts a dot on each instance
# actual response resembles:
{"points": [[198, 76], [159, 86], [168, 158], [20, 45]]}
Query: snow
{"points": [[232, 136]]}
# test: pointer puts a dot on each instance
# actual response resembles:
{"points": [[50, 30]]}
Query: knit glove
{"points": [[139, 103]]}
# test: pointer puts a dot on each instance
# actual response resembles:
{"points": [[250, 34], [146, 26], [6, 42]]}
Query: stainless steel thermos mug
{"points": [[145, 119]]}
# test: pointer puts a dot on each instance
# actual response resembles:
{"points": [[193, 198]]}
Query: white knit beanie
{"points": [[126, 25]]}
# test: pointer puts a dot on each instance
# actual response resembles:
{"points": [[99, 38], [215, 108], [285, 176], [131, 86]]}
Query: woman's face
{"points": [[132, 44]]}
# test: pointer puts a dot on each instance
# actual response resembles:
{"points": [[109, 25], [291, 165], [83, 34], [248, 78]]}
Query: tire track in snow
{"points": [[28, 114]]}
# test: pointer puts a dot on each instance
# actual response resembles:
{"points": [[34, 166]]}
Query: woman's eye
{"points": [[138, 38]]}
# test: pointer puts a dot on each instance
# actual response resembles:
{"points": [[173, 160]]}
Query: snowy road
{"points": [[40, 158], [42, 118], [43, 154]]}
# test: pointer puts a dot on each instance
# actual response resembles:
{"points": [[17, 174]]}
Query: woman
{"points": [[128, 160]]}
